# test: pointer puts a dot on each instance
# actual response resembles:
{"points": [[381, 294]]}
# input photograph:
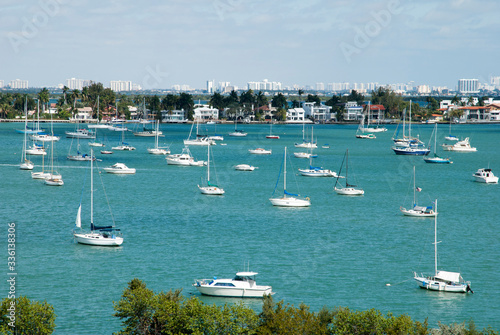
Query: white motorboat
{"points": [[260, 151], [106, 152], [316, 171], [244, 167], [288, 199], [210, 189], [184, 158], [442, 280], [81, 133], [416, 210], [119, 168], [107, 236], [485, 176], [347, 189], [45, 137], [460, 146], [243, 285]]}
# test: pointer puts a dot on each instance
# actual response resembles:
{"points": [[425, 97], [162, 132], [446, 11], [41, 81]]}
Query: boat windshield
{"points": [[244, 278]]}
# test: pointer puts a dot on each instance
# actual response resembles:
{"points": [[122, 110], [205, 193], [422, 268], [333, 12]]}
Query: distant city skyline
{"points": [[159, 45]]}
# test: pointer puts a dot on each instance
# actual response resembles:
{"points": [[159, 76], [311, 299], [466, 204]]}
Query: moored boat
{"points": [[243, 285], [485, 176]]}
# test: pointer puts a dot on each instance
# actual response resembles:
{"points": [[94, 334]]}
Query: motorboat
{"points": [[119, 168], [460, 146], [445, 281], [184, 158], [244, 167], [260, 151], [243, 285], [106, 152], [485, 176], [80, 133]]}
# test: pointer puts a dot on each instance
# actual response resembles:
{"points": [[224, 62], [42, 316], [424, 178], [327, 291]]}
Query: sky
{"points": [[160, 43]]}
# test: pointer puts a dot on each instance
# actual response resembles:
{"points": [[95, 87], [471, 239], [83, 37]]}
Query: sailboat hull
{"points": [[349, 191], [435, 285], [290, 202], [98, 239], [211, 190], [418, 213]]}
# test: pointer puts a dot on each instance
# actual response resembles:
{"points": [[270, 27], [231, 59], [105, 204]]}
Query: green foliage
{"points": [[314, 98], [392, 102], [279, 101], [31, 317]]}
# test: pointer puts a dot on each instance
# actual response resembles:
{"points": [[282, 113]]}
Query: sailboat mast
{"points": [[23, 158], [92, 187], [346, 166], [409, 124], [208, 165], [414, 189], [435, 241], [284, 174]]}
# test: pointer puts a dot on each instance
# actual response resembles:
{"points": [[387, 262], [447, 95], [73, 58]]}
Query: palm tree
{"points": [[44, 96], [300, 95], [74, 94], [65, 89]]}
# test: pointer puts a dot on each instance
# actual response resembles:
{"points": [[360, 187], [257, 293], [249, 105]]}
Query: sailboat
{"points": [[26, 164], [409, 145], [348, 189], [442, 280], [41, 174], [369, 129], [53, 178], [199, 140], [288, 199], [237, 132], [451, 137], [147, 132], [305, 143], [210, 189], [123, 146], [416, 210], [360, 132], [79, 156], [315, 171], [158, 150], [108, 236], [271, 136], [436, 159]]}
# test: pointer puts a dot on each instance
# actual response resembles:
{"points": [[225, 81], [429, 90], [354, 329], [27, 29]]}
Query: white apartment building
{"points": [[120, 86], [18, 83], [264, 85], [296, 115], [320, 113], [352, 111], [77, 84], [1, 83], [205, 113], [210, 86], [320, 86], [174, 116], [466, 86]]}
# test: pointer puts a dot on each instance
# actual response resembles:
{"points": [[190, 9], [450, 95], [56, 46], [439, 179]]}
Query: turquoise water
{"points": [[342, 251]]}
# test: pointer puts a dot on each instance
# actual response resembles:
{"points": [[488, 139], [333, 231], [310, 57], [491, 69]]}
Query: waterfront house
{"points": [[321, 113], [352, 111], [174, 116], [205, 113], [296, 115]]}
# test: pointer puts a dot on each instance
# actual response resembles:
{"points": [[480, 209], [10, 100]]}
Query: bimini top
{"points": [[246, 274], [449, 276]]}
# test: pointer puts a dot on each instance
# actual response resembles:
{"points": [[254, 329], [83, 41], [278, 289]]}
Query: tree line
{"points": [[145, 312], [104, 101]]}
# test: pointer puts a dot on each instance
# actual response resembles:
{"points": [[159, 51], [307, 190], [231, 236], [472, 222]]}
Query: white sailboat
{"points": [[199, 140], [108, 236], [416, 210], [348, 189], [409, 145], [41, 174], [305, 143], [436, 159], [316, 171], [442, 280], [288, 199], [368, 128], [53, 178], [271, 136], [210, 189], [157, 150], [123, 146], [237, 132], [360, 132], [26, 164]]}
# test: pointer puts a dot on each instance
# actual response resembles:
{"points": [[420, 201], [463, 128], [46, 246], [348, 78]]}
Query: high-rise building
{"points": [[1, 83], [18, 83], [120, 85], [468, 86], [320, 86], [77, 84], [210, 86]]}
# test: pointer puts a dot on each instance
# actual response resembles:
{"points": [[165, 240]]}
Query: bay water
{"points": [[341, 251]]}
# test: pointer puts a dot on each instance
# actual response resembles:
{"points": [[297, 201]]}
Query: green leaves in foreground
{"points": [[144, 312], [22, 316]]}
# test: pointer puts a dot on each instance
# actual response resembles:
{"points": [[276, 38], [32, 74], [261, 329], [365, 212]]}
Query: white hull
{"points": [[366, 136], [216, 138], [418, 213], [290, 202], [317, 173], [158, 151], [434, 285], [36, 152], [237, 134], [98, 239], [147, 133], [119, 171], [306, 145], [199, 142], [349, 191], [244, 167], [123, 148], [302, 154], [54, 181], [40, 175], [81, 135], [45, 138], [27, 165], [260, 151], [234, 292], [211, 190], [80, 158], [96, 144]]}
